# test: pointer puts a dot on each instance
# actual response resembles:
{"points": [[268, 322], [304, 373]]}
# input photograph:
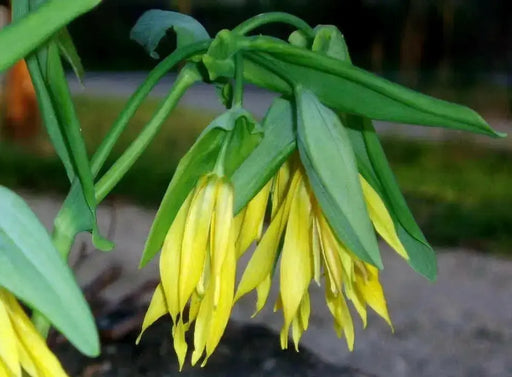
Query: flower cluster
{"points": [[202, 246]]}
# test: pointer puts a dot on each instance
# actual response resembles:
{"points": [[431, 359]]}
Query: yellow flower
{"points": [[22, 349], [198, 264], [310, 250]]}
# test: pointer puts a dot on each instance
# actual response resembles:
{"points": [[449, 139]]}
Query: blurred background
{"points": [[457, 185]]}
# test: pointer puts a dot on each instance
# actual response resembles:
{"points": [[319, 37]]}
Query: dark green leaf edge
{"points": [[373, 166]]}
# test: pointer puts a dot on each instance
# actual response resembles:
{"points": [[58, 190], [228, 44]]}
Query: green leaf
{"points": [[69, 127], [62, 125], [346, 88], [32, 269], [261, 165], [199, 160], [29, 31], [327, 155], [153, 25], [68, 50], [374, 167]]}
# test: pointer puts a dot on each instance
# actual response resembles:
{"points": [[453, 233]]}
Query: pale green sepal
{"points": [[330, 164]]}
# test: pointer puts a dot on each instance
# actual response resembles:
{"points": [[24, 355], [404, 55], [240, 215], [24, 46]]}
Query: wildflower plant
{"points": [[313, 167]]}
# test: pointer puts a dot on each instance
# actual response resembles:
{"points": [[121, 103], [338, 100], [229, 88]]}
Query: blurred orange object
{"points": [[21, 120]]}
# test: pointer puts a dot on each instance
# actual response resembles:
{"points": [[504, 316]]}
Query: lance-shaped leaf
{"points": [[222, 138], [69, 128], [153, 25], [32, 269], [61, 123], [327, 155], [28, 31], [346, 88], [275, 148], [374, 167], [68, 50]]}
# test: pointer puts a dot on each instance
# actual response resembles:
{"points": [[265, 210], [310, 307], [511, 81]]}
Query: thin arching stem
{"points": [[274, 17]]}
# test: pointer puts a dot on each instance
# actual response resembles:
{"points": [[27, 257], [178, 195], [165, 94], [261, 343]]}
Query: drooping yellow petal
{"points": [[262, 262], [222, 311], [353, 294], [296, 267], [316, 249], [4, 372], [297, 332], [26, 361], [180, 344], [262, 291], [280, 187], [300, 322], [195, 240], [205, 276], [43, 359], [170, 259], [8, 343], [305, 311], [373, 294], [252, 225], [157, 308], [201, 326], [221, 233], [381, 218], [195, 303], [339, 310], [331, 255]]}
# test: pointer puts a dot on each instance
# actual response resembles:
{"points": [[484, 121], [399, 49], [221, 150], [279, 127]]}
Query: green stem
{"points": [[187, 77], [238, 95], [273, 17], [63, 243], [136, 99]]}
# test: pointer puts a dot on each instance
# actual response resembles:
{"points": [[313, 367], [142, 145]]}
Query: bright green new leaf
{"points": [[32, 269], [261, 165], [373, 165], [68, 50], [26, 33], [153, 25], [327, 155], [330, 42], [219, 60]]}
